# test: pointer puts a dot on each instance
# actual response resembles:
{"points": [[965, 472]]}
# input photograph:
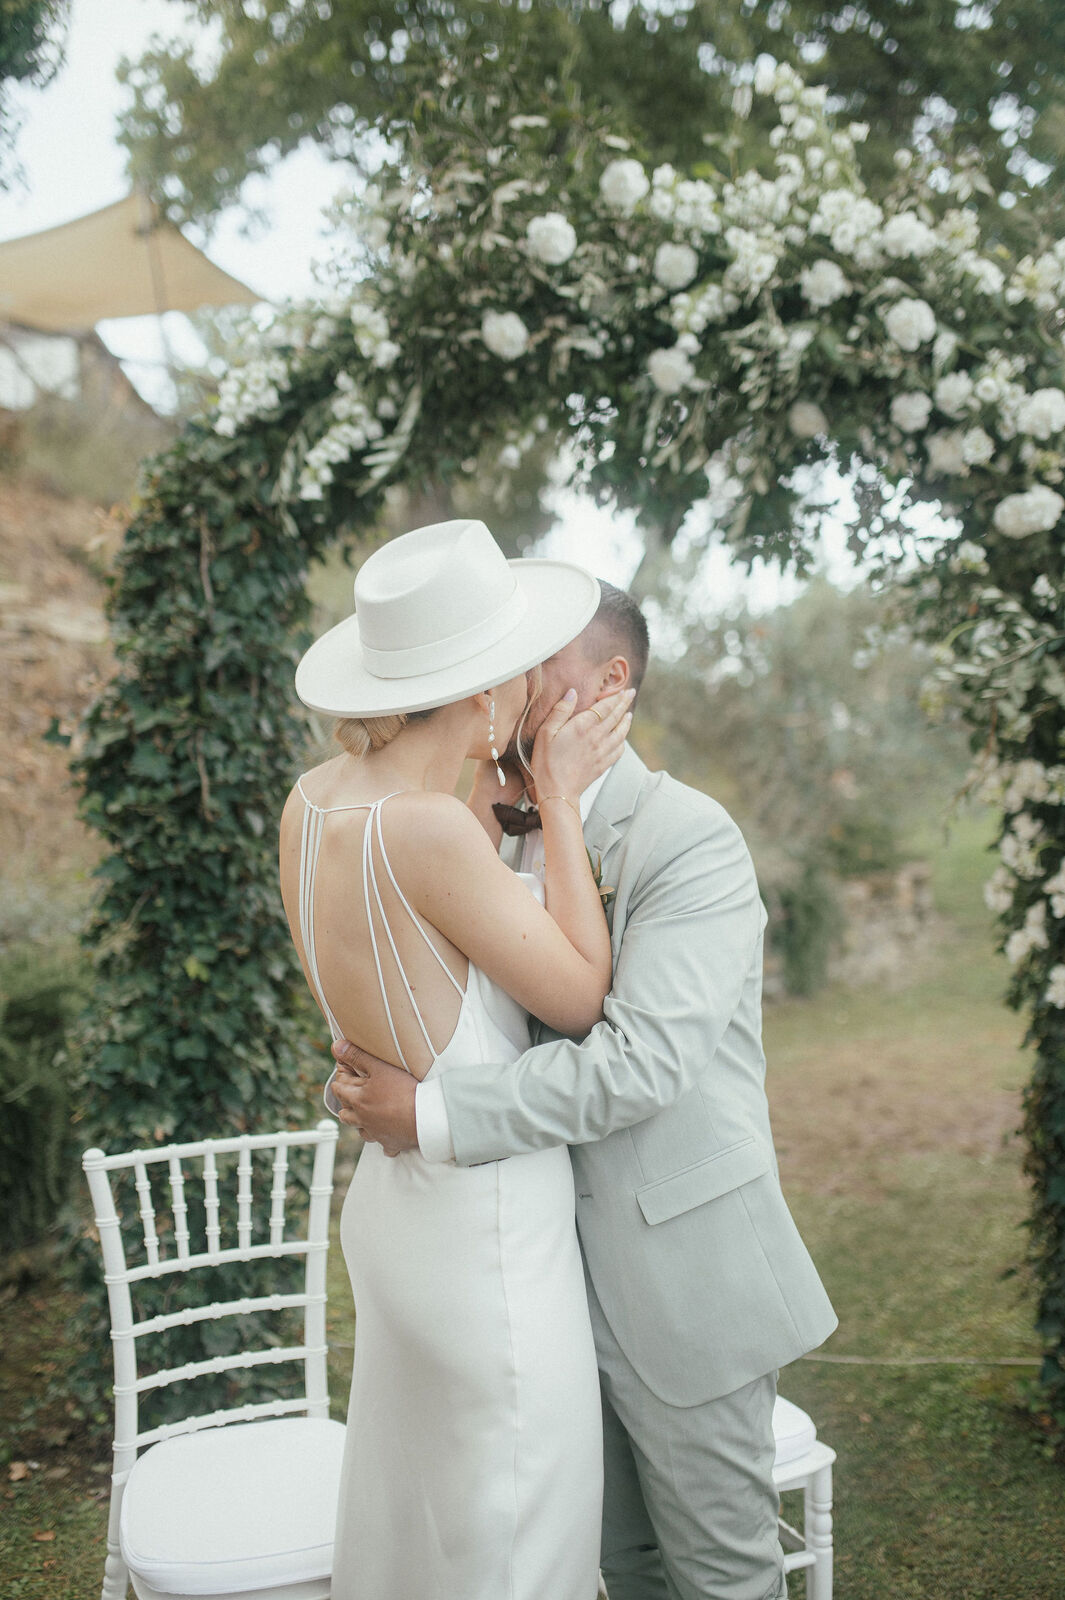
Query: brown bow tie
{"points": [[514, 821]]}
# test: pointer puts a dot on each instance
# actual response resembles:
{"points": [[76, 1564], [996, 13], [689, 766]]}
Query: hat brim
{"points": [[333, 678]]}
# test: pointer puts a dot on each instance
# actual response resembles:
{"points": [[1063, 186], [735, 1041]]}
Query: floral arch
{"points": [[688, 336]]}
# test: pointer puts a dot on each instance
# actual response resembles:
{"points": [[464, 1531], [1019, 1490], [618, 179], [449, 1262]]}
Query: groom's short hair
{"points": [[620, 628]]}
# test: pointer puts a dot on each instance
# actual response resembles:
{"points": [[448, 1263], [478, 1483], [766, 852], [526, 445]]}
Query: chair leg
{"points": [[116, 1575], [817, 1503]]}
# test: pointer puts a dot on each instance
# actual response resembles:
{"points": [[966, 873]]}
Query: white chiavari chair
{"points": [[239, 1501]]}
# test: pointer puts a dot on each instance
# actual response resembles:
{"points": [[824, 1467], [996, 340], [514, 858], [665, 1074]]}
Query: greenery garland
{"points": [[714, 337]]}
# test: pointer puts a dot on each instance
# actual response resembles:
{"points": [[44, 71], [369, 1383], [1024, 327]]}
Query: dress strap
{"points": [[373, 835], [310, 848]]}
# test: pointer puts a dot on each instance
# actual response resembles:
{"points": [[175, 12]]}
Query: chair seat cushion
{"points": [[793, 1431], [252, 1505]]}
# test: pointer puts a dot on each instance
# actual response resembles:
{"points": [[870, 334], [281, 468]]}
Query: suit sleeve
{"points": [[693, 925]]}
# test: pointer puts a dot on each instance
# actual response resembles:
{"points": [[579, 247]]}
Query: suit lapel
{"points": [[615, 803]]}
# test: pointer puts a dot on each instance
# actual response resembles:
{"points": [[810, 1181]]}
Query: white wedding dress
{"points": [[473, 1464]]}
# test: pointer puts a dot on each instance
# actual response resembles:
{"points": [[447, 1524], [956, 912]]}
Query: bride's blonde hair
{"points": [[360, 735]]}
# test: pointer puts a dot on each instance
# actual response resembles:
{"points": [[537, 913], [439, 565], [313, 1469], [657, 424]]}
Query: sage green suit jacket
{"points": [[689, 1243]]}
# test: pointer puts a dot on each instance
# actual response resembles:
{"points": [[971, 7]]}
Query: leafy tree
{"points": [[31, 49], [953, 76], [807, 723]]}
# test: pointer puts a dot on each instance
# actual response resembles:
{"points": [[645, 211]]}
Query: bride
{"points": [[473, 1467]]}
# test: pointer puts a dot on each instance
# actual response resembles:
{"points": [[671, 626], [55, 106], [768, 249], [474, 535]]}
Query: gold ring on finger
{"points": [[596, 714]]}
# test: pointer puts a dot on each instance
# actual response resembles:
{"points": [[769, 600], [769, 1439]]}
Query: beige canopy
{"points": [[118, 262]]}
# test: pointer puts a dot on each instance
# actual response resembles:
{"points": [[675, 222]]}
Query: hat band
{"points": [[440, 654]]}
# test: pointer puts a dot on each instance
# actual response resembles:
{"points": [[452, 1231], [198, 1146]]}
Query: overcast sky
{"points": [[72, 164]]}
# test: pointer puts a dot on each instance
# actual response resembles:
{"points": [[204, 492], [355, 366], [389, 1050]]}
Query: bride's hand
{"points": [[570, 751]]}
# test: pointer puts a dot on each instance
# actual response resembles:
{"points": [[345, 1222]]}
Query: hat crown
{"points": [[431, 586]]}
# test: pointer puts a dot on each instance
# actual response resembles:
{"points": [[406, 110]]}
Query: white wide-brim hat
{"points": [[440, 613]]}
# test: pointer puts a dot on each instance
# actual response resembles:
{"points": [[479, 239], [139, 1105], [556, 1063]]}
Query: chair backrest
{"points": [[172, 1184]]}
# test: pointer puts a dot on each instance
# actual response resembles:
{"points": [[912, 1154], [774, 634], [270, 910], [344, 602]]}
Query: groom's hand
{"points": [[376, 1099]]}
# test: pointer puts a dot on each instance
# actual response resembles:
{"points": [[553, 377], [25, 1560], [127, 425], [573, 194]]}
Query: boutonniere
{"points": [[606, 890]]}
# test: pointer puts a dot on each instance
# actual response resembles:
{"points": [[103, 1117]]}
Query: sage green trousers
{"points": [[690, 1509]]}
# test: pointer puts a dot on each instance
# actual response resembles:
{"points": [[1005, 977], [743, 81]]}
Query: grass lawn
{"points": [[895, 1115]]}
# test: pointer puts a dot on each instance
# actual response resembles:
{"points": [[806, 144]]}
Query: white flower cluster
{"points": [[671, 370], [551, 239], [505, 334], [371, 334], [853, 223], [1018, 846], [1041, 415], [690, 204], [692, 313], [910, 323], [1040, 279], [1032, 936], [623, 185], [1054, 994], [906, 235], [355, 427], [250, 391], [823, 284], [1037, 510], [1054, 889]]}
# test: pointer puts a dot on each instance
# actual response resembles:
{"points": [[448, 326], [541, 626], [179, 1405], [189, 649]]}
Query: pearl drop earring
{"points": [[500, 774]]}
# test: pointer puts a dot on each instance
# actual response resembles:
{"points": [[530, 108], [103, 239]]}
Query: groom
{"points": [[698, 1283]]}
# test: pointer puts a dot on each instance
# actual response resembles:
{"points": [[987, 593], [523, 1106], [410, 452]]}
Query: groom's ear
{"points": [[615, 674]]}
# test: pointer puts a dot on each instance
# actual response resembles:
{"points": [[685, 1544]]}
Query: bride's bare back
{"points": [[366, 935]]}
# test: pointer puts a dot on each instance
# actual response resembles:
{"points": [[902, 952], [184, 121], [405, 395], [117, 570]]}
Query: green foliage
{"points": [[806, 721], [806, 926], [956, 78], [31, 48], [452, 335], [41, 993]]}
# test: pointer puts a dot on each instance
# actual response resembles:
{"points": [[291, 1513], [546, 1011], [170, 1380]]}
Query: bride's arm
{"points": [[556, 965], [564, 761]]}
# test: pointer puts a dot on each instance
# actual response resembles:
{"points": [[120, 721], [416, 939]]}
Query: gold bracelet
{"points": [[566, 802]]}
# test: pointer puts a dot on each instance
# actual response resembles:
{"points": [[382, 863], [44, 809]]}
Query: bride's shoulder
{"points": [[429, 820]]}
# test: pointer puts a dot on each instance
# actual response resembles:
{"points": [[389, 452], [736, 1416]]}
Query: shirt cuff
{"points": [[434, 1130]]}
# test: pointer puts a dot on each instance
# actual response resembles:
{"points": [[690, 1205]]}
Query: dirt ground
{"points": [[53, 656]]}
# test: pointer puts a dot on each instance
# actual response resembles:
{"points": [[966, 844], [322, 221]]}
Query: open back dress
{"points": [[473, 1465]]}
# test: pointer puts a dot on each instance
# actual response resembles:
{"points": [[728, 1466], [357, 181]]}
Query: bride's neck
{"points": [[425, 755]]}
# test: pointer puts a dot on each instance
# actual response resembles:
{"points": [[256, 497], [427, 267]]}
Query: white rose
{"points": [[910, 323], [623, 184], [1055, 989], [510, 457], [911, 411], [907, 235], [807, 420], [953, 393], [387, 353], [505, 334], [1042, 414], [551, 239], [803, 128], [946, 454], [671, 370], [977, 447], [823, 284], [987, 277], [675, 265], [1036, 511], [999, 891]]}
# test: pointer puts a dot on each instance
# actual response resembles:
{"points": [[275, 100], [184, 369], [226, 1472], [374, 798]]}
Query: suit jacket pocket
{"points": [[705, 1180]]}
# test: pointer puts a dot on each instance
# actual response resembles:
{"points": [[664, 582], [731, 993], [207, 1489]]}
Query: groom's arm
{"points": [[693, 925], [692, 929]]}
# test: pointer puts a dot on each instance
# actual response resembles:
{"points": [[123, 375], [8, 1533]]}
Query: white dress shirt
{"points": [[434, 1132]]}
